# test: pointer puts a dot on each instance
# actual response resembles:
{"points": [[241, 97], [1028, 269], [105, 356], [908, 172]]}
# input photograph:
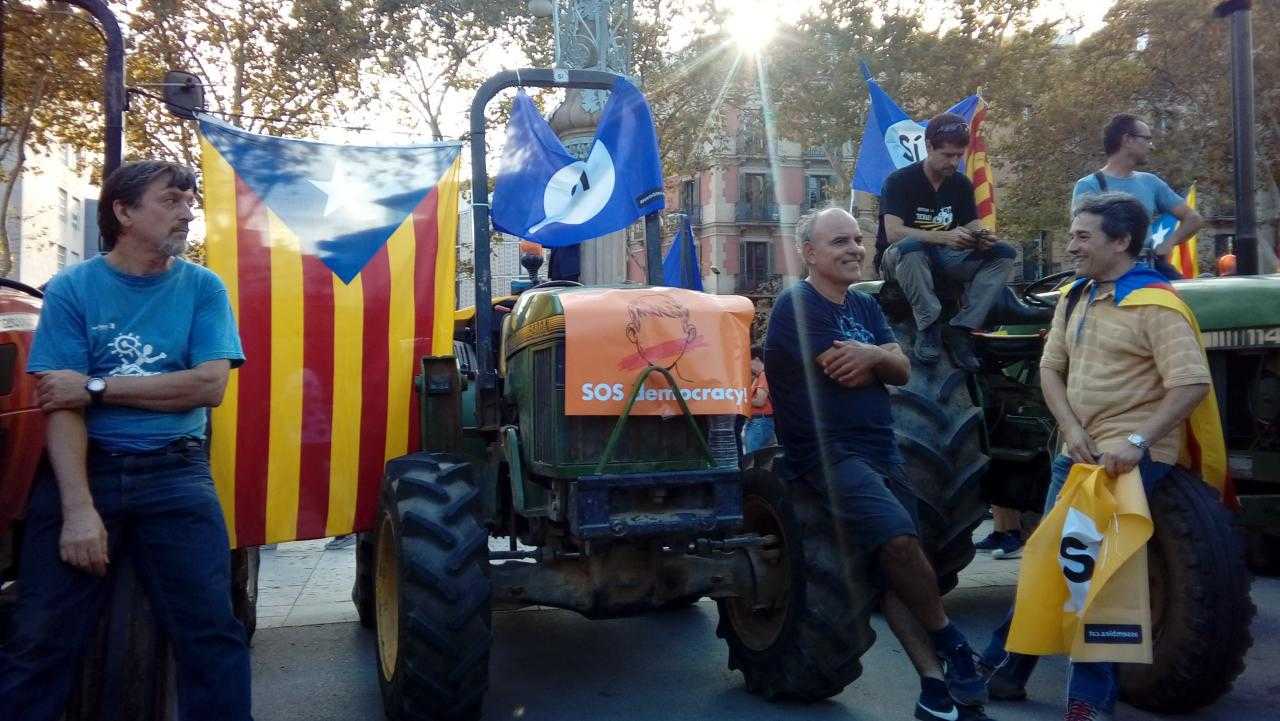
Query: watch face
{"points": [[96, 385]]}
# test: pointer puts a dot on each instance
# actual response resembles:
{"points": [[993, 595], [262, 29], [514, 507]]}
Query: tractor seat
{"points": [[1010, 309]]}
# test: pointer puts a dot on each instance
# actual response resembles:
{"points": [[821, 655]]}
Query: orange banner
{"points": [[614, 334]]}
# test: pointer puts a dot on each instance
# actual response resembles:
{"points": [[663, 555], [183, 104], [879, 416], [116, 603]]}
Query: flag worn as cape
{"points": [[1083, 586], [545, 194], [680, 269], [892, 140], [339, 262], [1203, 450]]}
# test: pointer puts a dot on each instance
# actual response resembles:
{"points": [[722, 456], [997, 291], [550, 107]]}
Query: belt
{"points": [[177, 446]]}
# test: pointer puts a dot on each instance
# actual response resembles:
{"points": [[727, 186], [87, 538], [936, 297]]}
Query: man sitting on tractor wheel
{"points": [[829, 354], [929, 224], [131, 349]]}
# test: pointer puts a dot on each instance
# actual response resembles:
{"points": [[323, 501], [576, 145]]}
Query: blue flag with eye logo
{"points": [[546, 195], [891, 139]]}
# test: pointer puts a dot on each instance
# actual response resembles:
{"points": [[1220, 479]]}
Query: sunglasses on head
{"points": [[952, 127]]}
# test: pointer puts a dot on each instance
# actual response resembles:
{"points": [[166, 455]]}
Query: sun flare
{"points": [[752, 24]]}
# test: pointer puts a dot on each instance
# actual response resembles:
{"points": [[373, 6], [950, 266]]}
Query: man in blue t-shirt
{"points": [[829, 354], [132, 348], [1127, 143]]}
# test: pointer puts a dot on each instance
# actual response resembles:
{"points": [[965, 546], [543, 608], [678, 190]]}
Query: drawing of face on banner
{"points": [[905, 140]]}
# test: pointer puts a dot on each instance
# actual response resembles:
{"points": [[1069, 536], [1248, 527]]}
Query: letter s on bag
{"points": [[1073, 550]]}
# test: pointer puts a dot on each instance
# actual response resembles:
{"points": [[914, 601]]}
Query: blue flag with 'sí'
{"points": [[891, 139], [680, 269], [546, 195]]}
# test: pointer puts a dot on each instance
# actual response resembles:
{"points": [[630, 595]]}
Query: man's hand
{"points": [[84, 540], [62, 391], [1080, 447], [1118, 463], [961, 238], [850, 363]]}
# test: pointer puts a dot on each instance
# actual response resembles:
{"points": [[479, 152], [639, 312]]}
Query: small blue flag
{"points": [[546, 195], [680, 269], [891, 139]]}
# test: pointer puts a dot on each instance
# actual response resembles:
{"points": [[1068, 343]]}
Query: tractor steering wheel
{"points": [[1030, 294], [22, 287]]}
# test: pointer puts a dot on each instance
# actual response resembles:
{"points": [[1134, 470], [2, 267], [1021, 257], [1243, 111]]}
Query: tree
{"points": [[52, 88]]}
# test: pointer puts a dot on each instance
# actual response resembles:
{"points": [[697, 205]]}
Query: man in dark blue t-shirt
{"points": [[829, 354]]}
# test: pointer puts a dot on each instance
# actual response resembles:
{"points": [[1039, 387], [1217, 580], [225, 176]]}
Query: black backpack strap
{"points": [[1102, 181], [1073, 298]]}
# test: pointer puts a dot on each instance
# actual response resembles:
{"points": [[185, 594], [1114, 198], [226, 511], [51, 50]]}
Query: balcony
{"points": [[756, 213]]}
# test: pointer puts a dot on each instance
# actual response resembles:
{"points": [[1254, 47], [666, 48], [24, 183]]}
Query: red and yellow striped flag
{"points": [[979, 170], [1184, 256], [340, 264]]}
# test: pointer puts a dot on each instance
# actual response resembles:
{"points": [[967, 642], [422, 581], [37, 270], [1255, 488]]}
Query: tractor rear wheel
{"points": [[431, 591], [1200, 605], [941, 434], [807, 645]]}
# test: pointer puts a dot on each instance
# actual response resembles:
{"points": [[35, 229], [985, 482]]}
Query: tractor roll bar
{"points": [[113, 93], [487, 377]]}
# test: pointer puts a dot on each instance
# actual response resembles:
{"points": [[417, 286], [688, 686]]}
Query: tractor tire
{"points": [[362, 589], [431, 591], [244, 589], [1200, 605], [942, 437], [808, 646]]}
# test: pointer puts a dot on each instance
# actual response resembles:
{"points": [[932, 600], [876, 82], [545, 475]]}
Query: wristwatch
{"points": [[1137, 440], [96, 387]]}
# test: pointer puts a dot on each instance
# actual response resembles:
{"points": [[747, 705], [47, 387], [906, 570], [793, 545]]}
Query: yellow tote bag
{"points": [[1083, 587]]}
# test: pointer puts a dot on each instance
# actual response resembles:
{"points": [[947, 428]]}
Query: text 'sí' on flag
{"points": [[545, 194], [892, 140], [339, 262]]}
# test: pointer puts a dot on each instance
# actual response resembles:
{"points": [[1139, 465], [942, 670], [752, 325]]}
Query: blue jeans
{"points": [[757, 434], [1093, 683], [161, 511]]}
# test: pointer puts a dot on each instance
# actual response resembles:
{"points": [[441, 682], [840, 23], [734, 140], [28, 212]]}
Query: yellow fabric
{"points": [[1204, 450], [1083, 585], [1185, 257]]}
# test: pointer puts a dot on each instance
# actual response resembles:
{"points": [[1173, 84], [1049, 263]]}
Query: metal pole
{"points": [[113, 93], [1242, 124], [686, 248], [653, 248]]}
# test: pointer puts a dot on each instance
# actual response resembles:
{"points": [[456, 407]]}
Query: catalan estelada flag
{"points": [[1184, 256], [339, 261], [979, 170]]}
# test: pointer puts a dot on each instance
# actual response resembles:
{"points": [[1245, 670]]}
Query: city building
{"points": [[52, 219]]}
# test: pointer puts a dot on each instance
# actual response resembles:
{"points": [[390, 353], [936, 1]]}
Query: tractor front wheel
{"points": [[807, 645], [431, 591]]}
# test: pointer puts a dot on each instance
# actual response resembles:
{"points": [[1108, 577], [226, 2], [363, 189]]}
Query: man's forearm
{"points": [[1187, 228], [199, 387], [1177, 405], [68, 444], [894, 367], [1054, 388]]}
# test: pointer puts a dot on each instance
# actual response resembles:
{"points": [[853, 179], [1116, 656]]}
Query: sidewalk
{"points": [[303, 584]]}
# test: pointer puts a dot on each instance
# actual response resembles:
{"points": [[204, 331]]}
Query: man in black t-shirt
{"points": [[829, 355], [929, 224]]}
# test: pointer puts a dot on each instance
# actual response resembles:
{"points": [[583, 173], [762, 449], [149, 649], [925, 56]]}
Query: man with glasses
{"points": [[929, 225], [1127, 143]]}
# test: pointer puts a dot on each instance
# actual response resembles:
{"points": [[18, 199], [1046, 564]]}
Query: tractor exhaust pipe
{"points": [[1242, 123]]}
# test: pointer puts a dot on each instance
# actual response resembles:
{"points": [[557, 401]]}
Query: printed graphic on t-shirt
{"points": [[133, 354], [926, 219], [851, 329]]}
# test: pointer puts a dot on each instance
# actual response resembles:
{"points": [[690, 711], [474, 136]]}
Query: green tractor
{"points": [[620, 516]]}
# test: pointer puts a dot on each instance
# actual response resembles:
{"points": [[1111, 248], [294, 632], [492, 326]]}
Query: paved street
{"points": [[313, 663]]}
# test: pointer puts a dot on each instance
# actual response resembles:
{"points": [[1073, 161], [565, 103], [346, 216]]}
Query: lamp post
{"points": [[1246, 246]]}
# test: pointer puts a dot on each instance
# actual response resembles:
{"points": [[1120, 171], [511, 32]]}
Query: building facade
{"points": [[52, 216]]}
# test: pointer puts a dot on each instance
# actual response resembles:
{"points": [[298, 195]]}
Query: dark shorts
{"points": [[875, 504]]}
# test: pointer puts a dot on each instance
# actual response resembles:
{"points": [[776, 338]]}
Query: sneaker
{"points": [[959, 341], [929, 344], [960, 669], [1002, 688], [1010, 546], [931, 712], [991, 542], [1081, 711]]}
